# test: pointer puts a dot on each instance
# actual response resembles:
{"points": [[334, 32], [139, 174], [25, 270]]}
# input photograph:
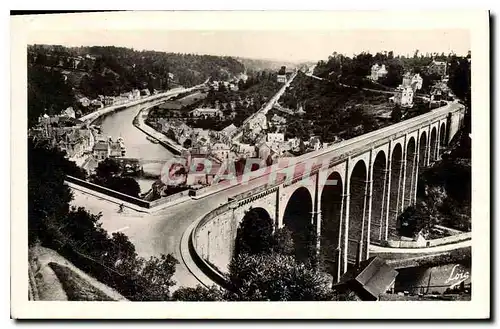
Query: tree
{"points": [[283, 242], [77, 234], [48, 196], [275, 277], [254, 236], [199, 294], [156, 277], [107, 174], [397, 114], [125, 185], [107, 169], [48, 93], [459, 72], [394, 74]]}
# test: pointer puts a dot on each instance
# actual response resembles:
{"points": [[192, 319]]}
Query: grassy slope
{"points": [[76, 287]]}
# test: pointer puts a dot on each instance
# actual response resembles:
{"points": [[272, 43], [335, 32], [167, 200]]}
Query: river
{"points": [[119, 124]]}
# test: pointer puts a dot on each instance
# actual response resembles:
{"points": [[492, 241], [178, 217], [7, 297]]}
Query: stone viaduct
{"points": [[351, 192]]}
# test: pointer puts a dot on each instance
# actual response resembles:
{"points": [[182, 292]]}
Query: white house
{"points": [[247, 150], [416, 82], [69, 112], [84, 101], [206, 112], [378, 71], [404, 96], [406, 90], [281, 78], [315, 143], [276, 137], [229, 130], [136, 94], [220, 151]]}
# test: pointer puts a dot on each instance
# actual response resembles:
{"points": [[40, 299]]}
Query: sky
{"points": [[292, 42]]}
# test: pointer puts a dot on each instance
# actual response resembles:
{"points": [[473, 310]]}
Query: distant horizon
{"points": [[270, 59], [287, 46]]}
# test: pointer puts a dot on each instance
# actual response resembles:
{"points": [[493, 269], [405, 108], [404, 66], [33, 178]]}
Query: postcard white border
{"points": [[474, 21]]}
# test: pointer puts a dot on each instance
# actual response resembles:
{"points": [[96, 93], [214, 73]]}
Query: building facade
{"points": [[378, 71]]}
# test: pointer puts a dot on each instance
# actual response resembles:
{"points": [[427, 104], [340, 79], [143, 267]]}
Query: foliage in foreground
{"points": [[276, 277], [77, 234]]}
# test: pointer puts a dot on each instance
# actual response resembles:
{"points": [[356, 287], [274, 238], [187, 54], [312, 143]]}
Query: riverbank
{"points": [[92, 117], [161, 138]]}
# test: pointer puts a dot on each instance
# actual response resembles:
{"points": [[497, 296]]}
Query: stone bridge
{"points": [[349, 193]]}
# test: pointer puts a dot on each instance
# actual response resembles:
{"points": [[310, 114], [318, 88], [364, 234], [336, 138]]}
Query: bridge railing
{"points": [[367, 141]]}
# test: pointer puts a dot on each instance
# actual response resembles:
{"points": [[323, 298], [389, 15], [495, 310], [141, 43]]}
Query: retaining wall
{"points": [[146, 205], [429, 243]]}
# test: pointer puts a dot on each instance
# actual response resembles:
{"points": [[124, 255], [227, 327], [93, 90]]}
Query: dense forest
{"points": [[57, 74]]}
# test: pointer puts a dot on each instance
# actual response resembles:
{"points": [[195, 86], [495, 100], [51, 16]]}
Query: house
{"points": [[440, 91], [406, 90], [233, 87], [136, 94], [69, 113], [97, 103], [84, 101], [437, 67], [281, 78], [278, 120], [220, 151], [378, 71], [264, 150], [276, 137], [417, 82], [206, 112], [229, 130], [73, 140], [246, 150], [90, 164], [293, 143], [403, 96], [101, 150], [116, 149], [315, 143], [109, 100], [257, 123], [301, 110], [367, 281], [170, 75], [128, 96]]}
